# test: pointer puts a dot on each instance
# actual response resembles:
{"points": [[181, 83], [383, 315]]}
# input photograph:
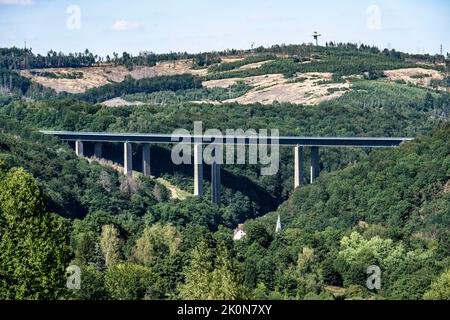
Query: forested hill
{"points": [[391, 209], [302, 74], [388, 208], [403, 192], [73, 188], [405, 113], [405, 189]]}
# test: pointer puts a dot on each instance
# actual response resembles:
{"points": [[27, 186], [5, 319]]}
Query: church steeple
{"points": [[278, 227]]}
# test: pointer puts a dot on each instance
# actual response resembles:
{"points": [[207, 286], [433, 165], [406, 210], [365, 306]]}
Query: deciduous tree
{"points": [[157, 241], [33, 244], [110, 244]]}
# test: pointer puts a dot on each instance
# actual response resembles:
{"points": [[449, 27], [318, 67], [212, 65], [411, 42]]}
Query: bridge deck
{"points": [[362, 142]]}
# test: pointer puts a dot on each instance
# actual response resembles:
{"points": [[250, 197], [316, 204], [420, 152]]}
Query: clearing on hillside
{"points": [[417, 76], [305, 88], [100, 75], [120, 102]]}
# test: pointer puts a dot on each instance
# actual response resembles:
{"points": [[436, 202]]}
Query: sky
{"points": [[107, 26]]}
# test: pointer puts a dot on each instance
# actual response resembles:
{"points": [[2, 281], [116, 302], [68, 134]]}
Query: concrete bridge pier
{"points": [[146, 169], [215, 183], [127, 159], [198, 170], [79, 148], [298, 166], [315, 165], [98, 150], [215, 174]]}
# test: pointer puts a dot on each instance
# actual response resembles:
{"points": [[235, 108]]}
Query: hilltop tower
{"points": [[316, 36]]}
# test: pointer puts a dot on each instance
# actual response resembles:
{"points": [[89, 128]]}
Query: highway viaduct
{"points": [[298, 143]]}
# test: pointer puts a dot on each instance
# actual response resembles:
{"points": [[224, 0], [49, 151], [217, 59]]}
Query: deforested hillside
{"points": [[300, 74]]}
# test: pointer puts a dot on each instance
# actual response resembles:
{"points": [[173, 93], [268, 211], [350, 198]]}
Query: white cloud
{"points": [[17, 2], [123, 25]]}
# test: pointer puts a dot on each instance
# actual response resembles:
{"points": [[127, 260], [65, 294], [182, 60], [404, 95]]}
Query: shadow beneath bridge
{"points": [[161, 164]]}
